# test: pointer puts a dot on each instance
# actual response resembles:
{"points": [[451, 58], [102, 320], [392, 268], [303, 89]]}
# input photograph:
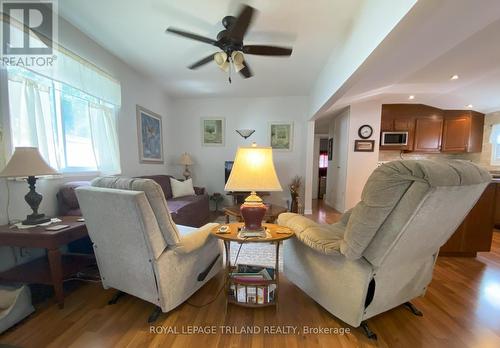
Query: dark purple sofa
{"points": [[188, 210]]}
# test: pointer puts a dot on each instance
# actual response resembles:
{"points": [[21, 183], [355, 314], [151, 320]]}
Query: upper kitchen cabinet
{"points": [[462, 131], [402, 118], [429, 129]]}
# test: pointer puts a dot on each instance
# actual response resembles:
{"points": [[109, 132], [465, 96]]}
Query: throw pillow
{"points": [[182, 188]]}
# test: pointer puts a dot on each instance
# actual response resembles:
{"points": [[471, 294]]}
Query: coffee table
{"points": [[271, 214], [276, 234]]}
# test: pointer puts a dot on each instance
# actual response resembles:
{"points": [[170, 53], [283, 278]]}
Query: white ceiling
{"points": [[436, 40], [134, 31]]}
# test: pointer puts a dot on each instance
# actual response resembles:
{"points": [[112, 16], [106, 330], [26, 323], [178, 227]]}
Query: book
{"points": [[251, 294], [244, 268]]}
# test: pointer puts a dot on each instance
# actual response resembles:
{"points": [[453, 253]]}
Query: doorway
{"points": [[337, 165], [322, 167]]}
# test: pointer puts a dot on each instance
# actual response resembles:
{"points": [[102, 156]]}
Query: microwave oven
{"points": [[394, 138]]}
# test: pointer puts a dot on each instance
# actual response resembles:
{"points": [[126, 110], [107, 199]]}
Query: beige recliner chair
{"points": [[381, 253], [139, 249]]}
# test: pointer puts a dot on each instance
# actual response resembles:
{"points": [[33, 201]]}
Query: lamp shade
{"points": [[238, 60], [186, 160], [253, 170], [27, 161]]}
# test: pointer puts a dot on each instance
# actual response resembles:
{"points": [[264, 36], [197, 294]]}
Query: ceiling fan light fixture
{"points": [[238, 59], [230, 42], [225, 66], [220, 57]]}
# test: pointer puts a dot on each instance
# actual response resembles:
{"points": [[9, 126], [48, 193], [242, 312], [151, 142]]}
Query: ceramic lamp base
{"points": [[34, 199], [253, 211]]}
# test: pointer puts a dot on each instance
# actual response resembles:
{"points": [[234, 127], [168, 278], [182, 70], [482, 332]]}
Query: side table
{"points": [[276, 234], [50, 270]]}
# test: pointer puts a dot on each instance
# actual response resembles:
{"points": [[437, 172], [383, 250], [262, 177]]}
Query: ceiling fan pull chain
{"points": [[230, 68]]}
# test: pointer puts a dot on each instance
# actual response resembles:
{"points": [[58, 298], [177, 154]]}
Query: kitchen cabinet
{"points": [[401, 117], [476, 231], [463, 131], [432, 130], [428, 133]]}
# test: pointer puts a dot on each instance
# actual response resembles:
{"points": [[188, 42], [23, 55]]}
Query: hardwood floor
{"points": [[461, 309]]}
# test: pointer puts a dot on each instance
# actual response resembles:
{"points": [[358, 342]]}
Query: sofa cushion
{"points": [[176, 204], [182, 188], [163, 181], [190, 210], [155, 196]]}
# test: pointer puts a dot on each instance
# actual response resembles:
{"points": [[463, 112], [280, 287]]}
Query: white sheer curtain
{"points": [[32, 121], [495, 134], [37, 119], [105, 139]]}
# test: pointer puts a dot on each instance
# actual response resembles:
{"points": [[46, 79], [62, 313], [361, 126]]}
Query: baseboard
{"points": [[308, 211]]}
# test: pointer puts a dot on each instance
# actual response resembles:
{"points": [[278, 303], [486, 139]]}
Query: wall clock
{"points": [[365, 131]]}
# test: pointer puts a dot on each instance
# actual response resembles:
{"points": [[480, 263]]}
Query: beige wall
{"points": [[360, 165], [239, 113]]}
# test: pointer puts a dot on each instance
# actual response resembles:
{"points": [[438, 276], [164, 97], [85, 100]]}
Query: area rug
{"points": [[262, 254]]}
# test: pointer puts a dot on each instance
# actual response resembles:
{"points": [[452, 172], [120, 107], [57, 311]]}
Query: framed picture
{"points": [[364, 145], [212, 131], [330, 149], [281, 135], [150, 136]]}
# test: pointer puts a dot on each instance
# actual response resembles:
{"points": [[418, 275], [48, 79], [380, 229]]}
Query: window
{"points": [[323, 159], [74, 130], [495, 145]]}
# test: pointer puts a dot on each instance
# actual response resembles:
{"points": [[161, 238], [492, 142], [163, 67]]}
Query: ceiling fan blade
{"points": [[263, 50], [201, 62], [241, 24], [246, 72], [191, 36]]}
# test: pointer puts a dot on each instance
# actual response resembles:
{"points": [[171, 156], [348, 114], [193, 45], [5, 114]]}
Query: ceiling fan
{"points": [[230, 41]]}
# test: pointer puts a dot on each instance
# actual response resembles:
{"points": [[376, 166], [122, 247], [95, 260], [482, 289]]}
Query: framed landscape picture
{"points": [[150, 136], [281, 135], [212, 131]]}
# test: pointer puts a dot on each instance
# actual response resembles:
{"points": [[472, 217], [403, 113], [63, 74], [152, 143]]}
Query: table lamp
{"points": [[186, 161], [253, 170], [27, 162]]}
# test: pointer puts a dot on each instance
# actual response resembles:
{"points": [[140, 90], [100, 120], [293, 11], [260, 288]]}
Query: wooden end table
{"points": [[50, 270], [277, 234], [272, 213]]}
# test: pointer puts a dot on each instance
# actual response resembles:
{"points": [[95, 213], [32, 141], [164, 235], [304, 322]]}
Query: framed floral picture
{"points": [[281, 135], [212, 131], [150, 136]]}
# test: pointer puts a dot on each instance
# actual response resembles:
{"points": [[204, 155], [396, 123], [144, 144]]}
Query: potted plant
{"points": [[217, 198], [294, 192]]}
